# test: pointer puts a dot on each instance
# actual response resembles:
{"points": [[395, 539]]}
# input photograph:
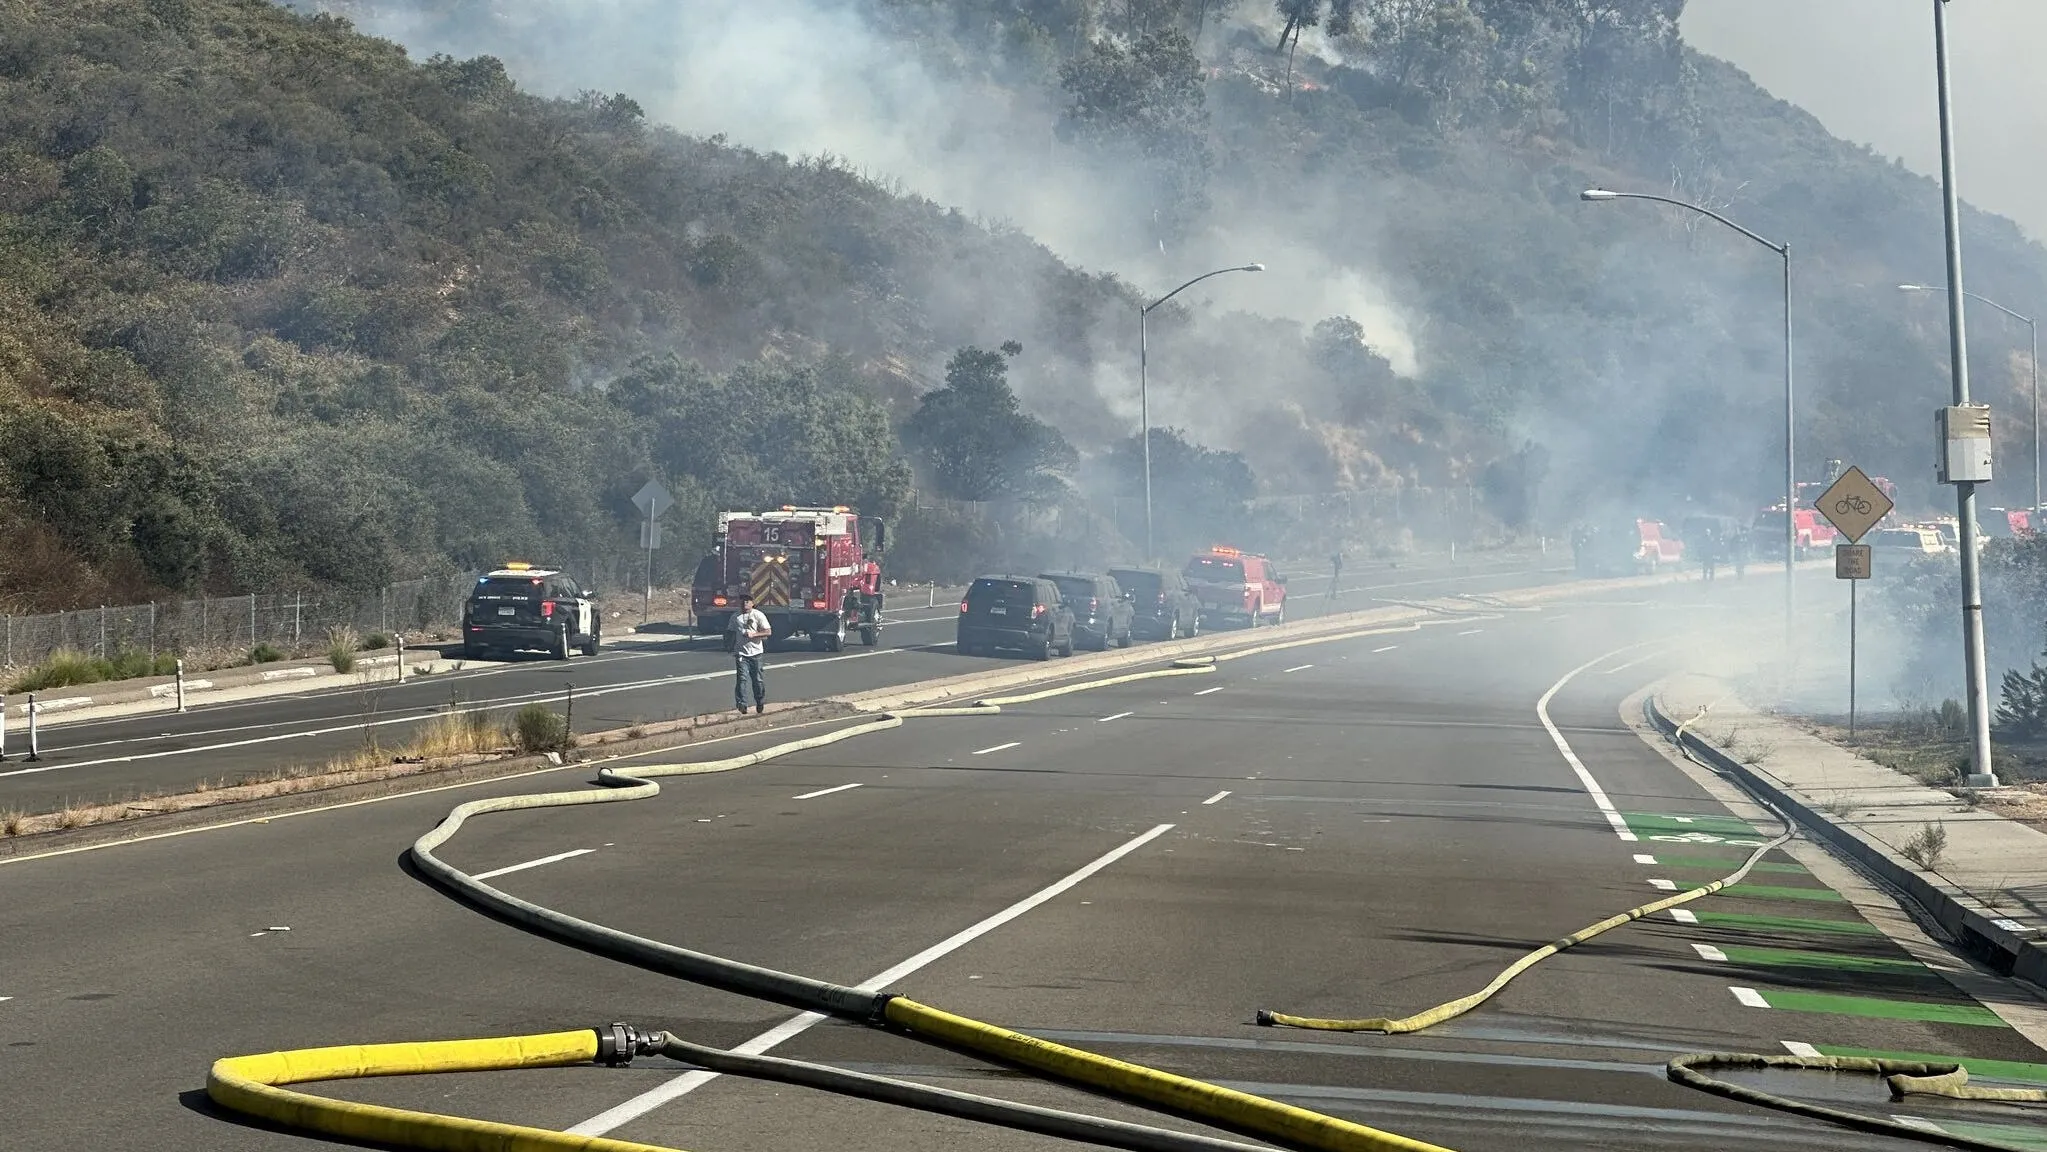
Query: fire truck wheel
{"points": [[1280, 616], [1257, 614], [835, 639], [870, 634]]}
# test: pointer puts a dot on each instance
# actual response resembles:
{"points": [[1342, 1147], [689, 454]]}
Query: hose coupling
{"points": [[617, 1044]]}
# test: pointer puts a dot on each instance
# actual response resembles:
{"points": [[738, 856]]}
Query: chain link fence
{"points": [[285, 620]]}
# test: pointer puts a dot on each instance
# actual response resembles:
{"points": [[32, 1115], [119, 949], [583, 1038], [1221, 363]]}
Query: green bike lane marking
{"points": [[1999, 1133], [1795, 958], [1704, 828], [1774, 892], [1726, 865], [1747, 922], [1835, 1004], [2014, 1070]]}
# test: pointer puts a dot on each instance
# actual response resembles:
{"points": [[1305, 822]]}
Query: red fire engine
{"points": [[812, 571]]}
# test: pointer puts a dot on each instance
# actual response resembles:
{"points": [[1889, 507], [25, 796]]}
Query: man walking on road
{"points": [[750, 631]]}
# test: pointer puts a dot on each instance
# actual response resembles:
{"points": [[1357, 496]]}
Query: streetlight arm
{"points": [[1198, 279], [1605, 194], [2021, 318]]}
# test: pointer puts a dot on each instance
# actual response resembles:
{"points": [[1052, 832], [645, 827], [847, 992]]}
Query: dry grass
{"points": [[438, 741]]}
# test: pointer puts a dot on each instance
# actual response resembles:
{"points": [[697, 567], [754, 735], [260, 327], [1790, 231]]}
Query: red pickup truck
{"points": [[1239, 586]]}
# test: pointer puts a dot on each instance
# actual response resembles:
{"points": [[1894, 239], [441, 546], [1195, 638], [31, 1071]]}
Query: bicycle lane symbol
{"points": [[1706, 838]]}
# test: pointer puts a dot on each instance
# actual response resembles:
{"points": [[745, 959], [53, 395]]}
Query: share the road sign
{"points": [[1853, 504]]}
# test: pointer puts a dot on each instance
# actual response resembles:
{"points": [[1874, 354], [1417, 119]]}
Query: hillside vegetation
{"points": [[280, 304]]}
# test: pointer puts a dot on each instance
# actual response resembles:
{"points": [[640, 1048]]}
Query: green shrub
{"points": [[67, 667], [376, 642], [341, 647], [538, 729], [265, 653]]}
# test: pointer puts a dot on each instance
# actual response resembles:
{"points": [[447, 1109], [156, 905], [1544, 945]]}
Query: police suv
{"points": [[523, 607]]}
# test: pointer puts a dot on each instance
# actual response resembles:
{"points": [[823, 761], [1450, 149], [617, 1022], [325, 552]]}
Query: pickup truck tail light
{"points": [[547, 609], [1037, 610], [963, 607]]}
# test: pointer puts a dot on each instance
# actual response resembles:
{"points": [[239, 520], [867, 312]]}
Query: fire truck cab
{"points": [[811, 571]]}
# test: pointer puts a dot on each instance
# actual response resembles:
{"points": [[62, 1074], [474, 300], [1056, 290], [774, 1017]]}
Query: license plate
{"points": [[998, 611], [508, 611]]}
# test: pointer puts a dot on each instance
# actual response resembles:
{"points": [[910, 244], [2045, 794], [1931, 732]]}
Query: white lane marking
{"points": [[1613, 816], [1473, 632], [1799, 1048], [1750, 997], [1298, 668], [1217, 797], [430, 713], [1664, 885], [1684, 915], [1206, 691], [1117, 716], [998, 748], [1644, 858], [5, 998], [688, 1082], [825, 792], [554, 859], [1682, 819], [1921, 1123], [1708, 952], [1387, 648]]}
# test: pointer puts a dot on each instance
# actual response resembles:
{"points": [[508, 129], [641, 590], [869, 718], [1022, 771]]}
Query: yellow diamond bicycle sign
{"points": [[1853, 504]]}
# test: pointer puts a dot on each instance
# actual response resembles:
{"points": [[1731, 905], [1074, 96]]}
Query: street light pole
{"points": [[1975, 674], [1597, 195], [1144, 390], [2033, 363]]}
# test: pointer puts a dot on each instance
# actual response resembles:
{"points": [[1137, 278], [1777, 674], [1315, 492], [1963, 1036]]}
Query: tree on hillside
{"points": [[1198, 493], [1144, 98], [975, 440]]}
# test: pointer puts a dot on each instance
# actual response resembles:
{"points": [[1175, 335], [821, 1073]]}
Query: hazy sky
{"points": [[1865, 68]]}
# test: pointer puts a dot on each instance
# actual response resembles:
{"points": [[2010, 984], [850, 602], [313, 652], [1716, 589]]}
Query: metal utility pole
{"points": [[1976, 676], [1144, 391], [1597, 195], [2033, 362]]}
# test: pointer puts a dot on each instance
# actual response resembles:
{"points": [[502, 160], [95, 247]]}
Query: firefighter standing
{"points": [[1335, 573], [749, 632]]}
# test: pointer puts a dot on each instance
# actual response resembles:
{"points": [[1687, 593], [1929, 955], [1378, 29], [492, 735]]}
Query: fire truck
{"points": [[812, 571]]}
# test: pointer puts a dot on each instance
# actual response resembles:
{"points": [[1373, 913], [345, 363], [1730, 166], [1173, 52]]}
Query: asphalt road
{"points": [[157, 751], [1360, 827]]}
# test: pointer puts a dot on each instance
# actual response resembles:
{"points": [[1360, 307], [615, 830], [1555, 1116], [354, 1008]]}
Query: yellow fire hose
{"points": [[254, 1084]]}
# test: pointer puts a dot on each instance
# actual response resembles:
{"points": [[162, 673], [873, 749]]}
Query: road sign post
{"points": [[652, 500], [1853, 504]]}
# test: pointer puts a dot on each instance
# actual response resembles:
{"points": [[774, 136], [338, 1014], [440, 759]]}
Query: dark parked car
{"points": [[520, 606], [1102, 613], [1162, 606], [1017, 612]]}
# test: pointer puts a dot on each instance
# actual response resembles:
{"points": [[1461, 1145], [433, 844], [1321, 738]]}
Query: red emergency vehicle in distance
{"points": [[1231, 584], [811, 571], [1814, 533]]}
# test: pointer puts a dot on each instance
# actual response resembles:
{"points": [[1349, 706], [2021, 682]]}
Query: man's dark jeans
{"points": [[748, 669]]}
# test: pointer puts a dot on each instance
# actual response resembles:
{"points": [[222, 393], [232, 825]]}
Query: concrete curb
{"points": [[1962, 916], [319, 674], [607, 746]]}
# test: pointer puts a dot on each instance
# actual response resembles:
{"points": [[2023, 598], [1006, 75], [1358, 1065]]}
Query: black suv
{"points": [[520, 606], [1164, 607], [1015, 612], [1101, 611]]}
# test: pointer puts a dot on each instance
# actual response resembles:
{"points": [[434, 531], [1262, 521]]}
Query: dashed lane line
{"points": [[1835, 1004], [1217, 797], [826, 791], [1117, 716], [689, 1082], [544, 860], [998, 747], [1206, 691]]}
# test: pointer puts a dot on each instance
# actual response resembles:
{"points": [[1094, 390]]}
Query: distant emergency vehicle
{"points": [[811, 571]]}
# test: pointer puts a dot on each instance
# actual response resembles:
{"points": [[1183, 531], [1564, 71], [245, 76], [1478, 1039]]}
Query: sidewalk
{"points": [[1987, 886]]}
